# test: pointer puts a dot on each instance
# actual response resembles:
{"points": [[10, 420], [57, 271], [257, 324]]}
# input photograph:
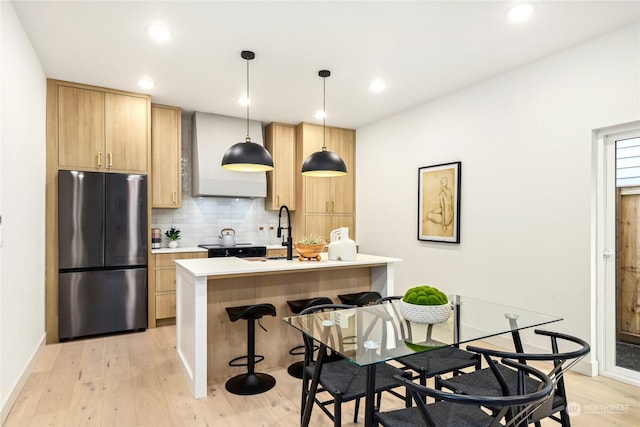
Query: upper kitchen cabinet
{"points": [[80, 127], [324, 203], [328, 195], [100, 129], [166, 153], [323, 225], [281, 181]]}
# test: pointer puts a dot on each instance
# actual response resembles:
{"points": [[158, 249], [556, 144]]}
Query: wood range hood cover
{"points": [[213, 134]]}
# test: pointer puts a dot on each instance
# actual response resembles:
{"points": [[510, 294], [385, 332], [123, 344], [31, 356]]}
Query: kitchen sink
{"points": [[265, 258]]}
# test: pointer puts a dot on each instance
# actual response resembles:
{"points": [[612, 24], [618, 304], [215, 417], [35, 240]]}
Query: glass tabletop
{"points": [[377, 333]]}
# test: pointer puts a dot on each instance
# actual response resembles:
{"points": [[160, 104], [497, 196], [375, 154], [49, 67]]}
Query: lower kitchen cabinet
{"points": [[276, 253], [162, 284], [166, 305]]}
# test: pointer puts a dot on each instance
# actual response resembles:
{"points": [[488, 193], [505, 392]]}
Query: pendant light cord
{"points": [[324, 113], [248, 102]]}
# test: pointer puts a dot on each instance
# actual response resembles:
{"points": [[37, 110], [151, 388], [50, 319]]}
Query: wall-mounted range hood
{"points": [[212, 136]]}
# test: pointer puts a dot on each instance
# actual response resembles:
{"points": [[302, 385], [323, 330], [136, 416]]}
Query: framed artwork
{"points": [[439, 202]]}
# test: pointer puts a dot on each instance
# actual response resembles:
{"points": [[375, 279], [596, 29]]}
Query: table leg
{"points": [[515, 332], [370, 395], [456, 319], [306, 417]]}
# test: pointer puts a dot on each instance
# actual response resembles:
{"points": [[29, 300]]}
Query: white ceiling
{"points": [[422, 49]]}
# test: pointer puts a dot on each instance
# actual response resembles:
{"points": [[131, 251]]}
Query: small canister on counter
{"points": [[156, 238]]}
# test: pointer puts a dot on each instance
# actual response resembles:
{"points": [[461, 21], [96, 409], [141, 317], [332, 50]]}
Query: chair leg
{"points": [[423, 382], [564, 418], [305, 392], [355, 411], [337, 411]]}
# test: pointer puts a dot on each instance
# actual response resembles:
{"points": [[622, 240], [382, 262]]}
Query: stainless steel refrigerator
{"points": [[102, 253]]}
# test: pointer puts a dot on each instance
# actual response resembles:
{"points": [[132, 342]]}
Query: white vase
{"points": [[173, 243]]}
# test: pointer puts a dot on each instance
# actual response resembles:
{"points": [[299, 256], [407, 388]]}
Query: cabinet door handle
{"points": [[99, 159], [110, 159], [277, 200], [174, 197], [333, 206]]}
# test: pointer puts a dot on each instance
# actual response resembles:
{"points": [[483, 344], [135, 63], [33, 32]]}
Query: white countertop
{"points": [[178, 249], [232, 265]]}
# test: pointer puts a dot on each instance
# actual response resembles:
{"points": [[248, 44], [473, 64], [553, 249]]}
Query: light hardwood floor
{"points": [[135, 380]]}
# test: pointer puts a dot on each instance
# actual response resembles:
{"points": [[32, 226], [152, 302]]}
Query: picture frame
{"points": [[439, 202]]}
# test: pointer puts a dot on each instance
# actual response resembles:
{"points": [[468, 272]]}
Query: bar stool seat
{"points": [[360, 298], [250, 382], [296, 307]]}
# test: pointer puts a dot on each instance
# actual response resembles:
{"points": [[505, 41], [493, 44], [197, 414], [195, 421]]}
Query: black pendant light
{"points": [[247, 156], [324, 163]]}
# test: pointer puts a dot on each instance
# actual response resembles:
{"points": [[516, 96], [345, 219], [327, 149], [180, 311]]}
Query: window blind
{"points": [[628, 162]]}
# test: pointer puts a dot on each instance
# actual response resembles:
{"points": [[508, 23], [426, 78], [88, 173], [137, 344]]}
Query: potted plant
{"points": [[173, 234], [425, 304], [309, 247]]}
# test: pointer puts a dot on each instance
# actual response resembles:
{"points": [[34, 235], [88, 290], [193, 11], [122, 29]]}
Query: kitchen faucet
{"points": [[289, 242]]}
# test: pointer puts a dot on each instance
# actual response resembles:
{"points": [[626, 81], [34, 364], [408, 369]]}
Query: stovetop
{"points": [[241, 250], [221, 246]]}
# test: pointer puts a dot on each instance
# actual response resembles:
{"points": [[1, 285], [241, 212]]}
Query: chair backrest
{"points": [[316, 323], [514, 408], [562, 362], [391, 316]]}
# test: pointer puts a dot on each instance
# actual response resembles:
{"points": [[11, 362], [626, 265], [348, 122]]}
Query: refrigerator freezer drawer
{"points": [[100, 302]]}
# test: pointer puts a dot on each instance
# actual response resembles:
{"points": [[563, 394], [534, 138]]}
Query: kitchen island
{"points": [[205, 338]]}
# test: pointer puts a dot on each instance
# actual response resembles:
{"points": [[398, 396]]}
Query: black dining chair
{"points": [[447, 359], [456, 410], [340, 379], [483, 381]]}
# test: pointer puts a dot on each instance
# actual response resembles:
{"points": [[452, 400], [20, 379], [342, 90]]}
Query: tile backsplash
{"points": [[200, 219]]}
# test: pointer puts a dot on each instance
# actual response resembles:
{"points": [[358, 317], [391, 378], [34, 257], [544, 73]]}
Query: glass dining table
{"points": [[379, 333]]}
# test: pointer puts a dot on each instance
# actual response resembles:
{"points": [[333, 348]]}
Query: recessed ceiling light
{"points": [[244, 101], [320, 115], [520, 13], [377, 85], [159, 33], [146, 84]]}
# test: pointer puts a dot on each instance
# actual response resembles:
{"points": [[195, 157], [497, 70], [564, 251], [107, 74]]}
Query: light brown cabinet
{"points": [[276, 253], [166, 154], [329, 195], [162, 284], [326, 203], [100, 130], [322, 225], [280, 141], [80, 127]]}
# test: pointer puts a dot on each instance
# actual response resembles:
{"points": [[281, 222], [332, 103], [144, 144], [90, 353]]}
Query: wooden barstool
{"points": [[250, 382]]}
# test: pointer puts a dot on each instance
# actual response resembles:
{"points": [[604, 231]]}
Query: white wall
{"points": [[524, 140], [22, 203]]}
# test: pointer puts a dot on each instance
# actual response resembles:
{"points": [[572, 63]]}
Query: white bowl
{"points": [[425, 313]]}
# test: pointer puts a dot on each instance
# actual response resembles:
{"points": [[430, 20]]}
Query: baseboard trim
{"points": [[17, 388]]}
